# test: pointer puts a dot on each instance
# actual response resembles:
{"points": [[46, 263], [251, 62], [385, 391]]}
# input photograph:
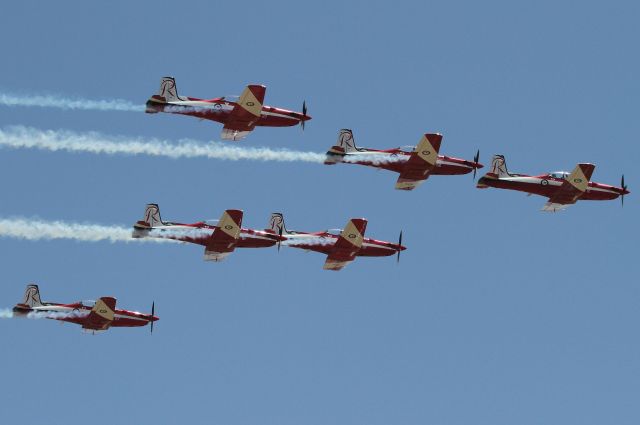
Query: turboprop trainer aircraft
{"points": [[341, 246], [414, 166], [93, 316], [562, 188], [239, 118], [219, 238]]}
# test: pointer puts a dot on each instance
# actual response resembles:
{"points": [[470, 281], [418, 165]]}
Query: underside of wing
{"points": [[336, 263], [405, 183], [235, 131], [553, 207]]}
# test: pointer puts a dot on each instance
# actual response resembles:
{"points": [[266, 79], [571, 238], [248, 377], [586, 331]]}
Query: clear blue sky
{"points": [[497, 313]]}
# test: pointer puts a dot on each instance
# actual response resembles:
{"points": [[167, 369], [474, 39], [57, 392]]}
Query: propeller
{"points": [[280, 240], [304, 113], [399, 247], [624, 189], [153, 310], [475, 160]]}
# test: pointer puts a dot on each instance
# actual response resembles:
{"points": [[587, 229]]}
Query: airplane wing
{"points": [[101, 315], [245, 114], [347, 246], [553, 207], [421, 162], [571, 189], [225, 236]]}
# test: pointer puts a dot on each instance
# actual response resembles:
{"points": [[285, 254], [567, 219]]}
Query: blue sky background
{"points": [[497, 313]]}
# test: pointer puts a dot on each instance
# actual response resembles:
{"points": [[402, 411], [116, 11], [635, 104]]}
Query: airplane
{"points": [[239, 118], [341, 246], [93, 316], [415, 164], [562, 188], [219, 238]]}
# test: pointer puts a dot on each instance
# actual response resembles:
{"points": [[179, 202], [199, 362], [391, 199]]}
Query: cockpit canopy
{"points": [[335, 232], [559, 175], [88, 303]]}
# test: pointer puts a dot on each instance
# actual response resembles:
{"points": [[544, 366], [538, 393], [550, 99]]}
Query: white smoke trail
{"points": [[69, 103], [9, 314], [6, 314], [309, 241], [193, 233], [57, 314], [375, 159], [63, 140], [31, 229]]}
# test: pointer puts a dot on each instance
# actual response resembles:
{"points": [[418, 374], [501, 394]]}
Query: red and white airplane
{"points": [[93, 316], [239, 118], [562, 188], [341, 246], [414, 166], [219, 238]]}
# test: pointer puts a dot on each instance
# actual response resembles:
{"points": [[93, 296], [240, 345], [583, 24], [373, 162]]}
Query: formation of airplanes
{"points": [[93, 316], [220, 238]]}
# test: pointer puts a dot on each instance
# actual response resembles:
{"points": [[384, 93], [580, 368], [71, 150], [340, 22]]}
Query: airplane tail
{"points": [[498, 167], [32, 296], [168, 91], [345, 144], [276, 224], [151, 216], [252, 98]]}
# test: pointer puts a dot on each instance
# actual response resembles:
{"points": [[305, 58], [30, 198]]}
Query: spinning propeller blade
{"points": [[624, 189], [399, 247], [304, 113], [153, 310], [280, 240], [475, 160]]}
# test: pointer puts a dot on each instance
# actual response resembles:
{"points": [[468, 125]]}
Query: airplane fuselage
{"points": [[219, 110], [200, 233], [546, 185], [78, 312], [324, 242], [395, 160]]}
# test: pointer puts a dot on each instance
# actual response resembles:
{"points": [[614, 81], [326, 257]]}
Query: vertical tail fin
{"points": [[32, 296], [345, 144], [168, 91], [151, 216], [252, 98], [498, 167], [276, 224]]}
